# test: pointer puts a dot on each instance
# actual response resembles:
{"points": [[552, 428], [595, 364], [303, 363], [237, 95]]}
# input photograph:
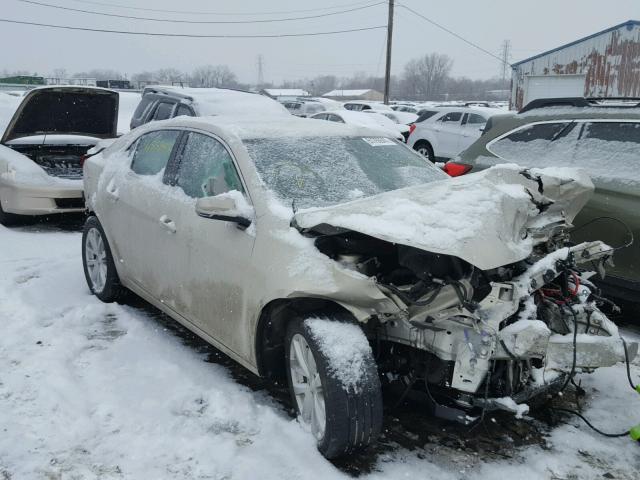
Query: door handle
{"points": [[167, 223]]}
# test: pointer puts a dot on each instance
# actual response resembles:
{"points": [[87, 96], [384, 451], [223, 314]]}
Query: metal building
{"points": [[605, 64]]}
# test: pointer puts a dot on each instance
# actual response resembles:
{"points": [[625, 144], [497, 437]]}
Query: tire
{"points": [[99, 268], [426, 150], [353, 416]]}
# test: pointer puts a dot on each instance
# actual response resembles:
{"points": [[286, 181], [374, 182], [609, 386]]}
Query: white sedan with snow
{"points": [[369, 119], [334, 257], [42, 148]]}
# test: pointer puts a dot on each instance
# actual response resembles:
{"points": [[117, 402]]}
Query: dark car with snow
{"points": [[600, 136], [335, 259], [42, 148], [163, 102]]}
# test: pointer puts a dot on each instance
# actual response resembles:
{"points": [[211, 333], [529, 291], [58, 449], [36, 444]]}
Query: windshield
{"points": [[322, 171]]}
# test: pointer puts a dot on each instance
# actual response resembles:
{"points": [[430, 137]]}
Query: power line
{"points": [[187, 12], [459, 37], [132, 17], [187, 35]]}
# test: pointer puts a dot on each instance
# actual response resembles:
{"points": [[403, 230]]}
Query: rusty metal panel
{"points": [[610, 62]]}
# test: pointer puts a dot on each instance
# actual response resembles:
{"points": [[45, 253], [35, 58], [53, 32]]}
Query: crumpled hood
{"points": [[489, 219]]}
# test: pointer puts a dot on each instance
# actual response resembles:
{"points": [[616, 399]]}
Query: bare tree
{"points": [[100, 74], [425, 77], [213, 76], [169, 75]]}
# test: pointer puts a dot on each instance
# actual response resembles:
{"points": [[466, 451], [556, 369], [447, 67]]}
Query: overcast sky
{"points": [[532, 26]]}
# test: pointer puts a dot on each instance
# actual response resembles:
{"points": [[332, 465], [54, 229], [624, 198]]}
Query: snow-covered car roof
{"points": [[249, 127], [374, 119], [223, 101]]}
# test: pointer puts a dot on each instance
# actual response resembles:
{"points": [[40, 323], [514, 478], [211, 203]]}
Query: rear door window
{"points": [[143, 106], [537, 144], [184, 110], [610, 150], [475, 119], [451, 117], [152, 151], [206, 168], [163, 111]]}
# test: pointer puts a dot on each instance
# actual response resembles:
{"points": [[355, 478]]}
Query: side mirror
{"points": [[224, 207]]}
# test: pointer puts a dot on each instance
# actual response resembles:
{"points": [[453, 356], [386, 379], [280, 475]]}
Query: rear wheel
{"points": [[342, 419], [99, 268], [426, 150]]}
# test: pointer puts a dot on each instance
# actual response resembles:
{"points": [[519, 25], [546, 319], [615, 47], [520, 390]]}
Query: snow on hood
{"points": [[487, 219]]}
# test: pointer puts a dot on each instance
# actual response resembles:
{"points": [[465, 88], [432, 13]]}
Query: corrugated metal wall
{"points": [[610, 63]]}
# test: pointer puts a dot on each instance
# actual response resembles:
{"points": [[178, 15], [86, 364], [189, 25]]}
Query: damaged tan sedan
{"points": [[341, 260]]}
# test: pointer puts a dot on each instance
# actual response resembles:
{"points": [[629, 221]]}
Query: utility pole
{"points": [[505, 54], [387, 73], [260, 70]]}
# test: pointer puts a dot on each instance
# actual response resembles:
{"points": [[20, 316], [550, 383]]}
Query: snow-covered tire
{"points": [[99, 269], [425, 149], [352, 407]]}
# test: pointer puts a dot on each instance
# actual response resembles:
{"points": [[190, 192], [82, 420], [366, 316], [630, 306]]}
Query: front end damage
{"points": [[485, 338]]}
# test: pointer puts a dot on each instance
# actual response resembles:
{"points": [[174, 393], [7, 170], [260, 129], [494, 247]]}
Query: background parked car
{"points": [[42, 147], [164, 102], [449, 131], [359, 105], [303, 108], [403, 118], [371, 120], [603, 137]]}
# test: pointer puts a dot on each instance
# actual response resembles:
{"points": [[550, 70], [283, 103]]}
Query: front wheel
{"points": [[99, 268], [334, 384]]}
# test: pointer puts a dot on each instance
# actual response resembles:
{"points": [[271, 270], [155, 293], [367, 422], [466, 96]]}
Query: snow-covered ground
{"points": [[89, 390]]}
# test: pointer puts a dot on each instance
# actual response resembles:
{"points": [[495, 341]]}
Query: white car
{"points": [[337, 258], [403, 118], [42, 148], [303, 108], [371, 120], [448, 131], [360, 105]]}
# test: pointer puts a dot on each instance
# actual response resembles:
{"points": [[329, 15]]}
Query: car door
{"points": [[138, 218], [215, 254], [447, 133], [472, 126]]}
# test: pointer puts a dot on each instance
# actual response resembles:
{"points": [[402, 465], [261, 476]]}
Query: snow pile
{"points": [[346, 348], [128, 102], [519, 409], [89, 390]]}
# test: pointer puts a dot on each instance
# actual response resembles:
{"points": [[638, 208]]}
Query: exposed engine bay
{"points": [[489, 339], [63, 161]]}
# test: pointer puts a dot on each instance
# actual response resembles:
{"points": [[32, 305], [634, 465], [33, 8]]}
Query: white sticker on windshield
{"points": [[378, 141]]}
